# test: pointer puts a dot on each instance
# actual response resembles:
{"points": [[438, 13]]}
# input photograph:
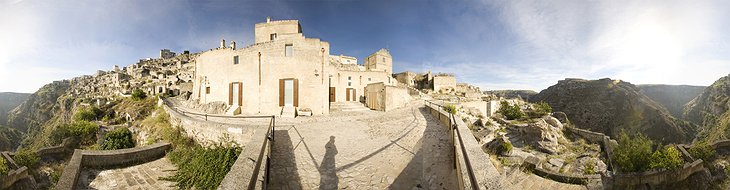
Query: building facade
{"points": [[284, 69]]}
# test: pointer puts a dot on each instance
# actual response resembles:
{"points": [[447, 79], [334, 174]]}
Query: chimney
{"points": [[223, 43], [268, 19], [233, 45]]}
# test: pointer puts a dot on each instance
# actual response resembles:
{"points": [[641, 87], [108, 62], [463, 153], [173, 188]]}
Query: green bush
{"points": [[632, 154], [506, 147], [590, 168], [702, 151], [27, 158], [666, 158], [86, 131], [542, 109], [4, 169], [511, 112], [88, 114], [450, 109], [202, 168], [119, 138], [138, 94]]}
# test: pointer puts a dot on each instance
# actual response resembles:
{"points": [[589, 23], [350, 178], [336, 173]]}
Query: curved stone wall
{"points": [[107, 158]]}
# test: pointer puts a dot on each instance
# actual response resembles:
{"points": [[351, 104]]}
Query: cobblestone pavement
{"points": [[143, 176], [363, 150]]}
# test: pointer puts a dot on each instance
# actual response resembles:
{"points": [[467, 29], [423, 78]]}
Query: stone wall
{"points": [[13, 176], [443, 82], [249, 169], [469, 155], [652, 178], [532, 163], [209, 132], [107, 158]]}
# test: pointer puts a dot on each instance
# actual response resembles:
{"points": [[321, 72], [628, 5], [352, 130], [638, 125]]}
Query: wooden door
{"points": [[347, 92], [332, 94]]}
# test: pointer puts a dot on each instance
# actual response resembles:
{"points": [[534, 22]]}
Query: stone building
{"points": [[166, 54], [443, 81], [284, 71]]}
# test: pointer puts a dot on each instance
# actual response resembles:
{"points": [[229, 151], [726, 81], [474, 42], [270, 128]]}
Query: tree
{"points": [[119, 138], [27, 158], [632, 154], [666, 158], [702, 151], [138, 94], [510, 111], [3, 167], [88, 114]]}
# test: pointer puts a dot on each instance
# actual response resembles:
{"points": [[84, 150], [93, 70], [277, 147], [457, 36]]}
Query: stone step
{"points": [[288, 111], [348, 106]]}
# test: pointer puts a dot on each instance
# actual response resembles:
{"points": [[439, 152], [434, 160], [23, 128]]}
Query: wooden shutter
{"points": [[230, 94], [281, 92], [296, 93], [347, 93], [240, 94]]}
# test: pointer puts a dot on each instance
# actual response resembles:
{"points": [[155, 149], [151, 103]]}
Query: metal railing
{"points": [[458, 139], [266, 148]]}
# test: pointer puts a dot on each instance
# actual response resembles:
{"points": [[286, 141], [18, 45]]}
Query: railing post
{"points": [[206, 116]]}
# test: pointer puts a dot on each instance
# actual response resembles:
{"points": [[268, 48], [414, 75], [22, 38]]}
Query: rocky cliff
{"points": [[610, 106], [524, 94], [672, 97], [710, 110], [8, 101]]}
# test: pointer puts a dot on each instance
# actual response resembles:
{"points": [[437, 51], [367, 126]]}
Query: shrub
{"points": [[702, 151], [138, 94], [542, 109], [666, 158], [450, 109], [202, 168], [118, 139], [86, 131], [632, 154], [27, 158], [511, 112], [506, 147], [590, 168], [88, 114], [4, 169]]}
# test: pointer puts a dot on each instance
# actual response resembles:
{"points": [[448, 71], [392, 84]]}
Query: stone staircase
{"points": [[347, 106], [233, 110], [288, 111]]}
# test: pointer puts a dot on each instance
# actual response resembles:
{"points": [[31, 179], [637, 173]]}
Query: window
{"points": [[383, 59], [288, 50], [207, 90], [273, 36], [349, 81], [369, 79], [235, 60]]}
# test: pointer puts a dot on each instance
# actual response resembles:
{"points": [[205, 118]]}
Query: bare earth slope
{"points": [[710, 110]]}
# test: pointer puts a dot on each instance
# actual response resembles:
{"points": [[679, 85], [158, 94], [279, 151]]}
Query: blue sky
{"points": [[494, 44]]}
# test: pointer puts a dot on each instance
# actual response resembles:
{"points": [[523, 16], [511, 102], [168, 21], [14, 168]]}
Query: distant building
{"points": [[166, 54]]}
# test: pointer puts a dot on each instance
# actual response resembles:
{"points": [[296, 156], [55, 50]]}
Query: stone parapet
{"points": [[106, 159]]}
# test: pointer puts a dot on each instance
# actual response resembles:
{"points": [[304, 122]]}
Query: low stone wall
{"points": [[469, 155], [209, 132], [13, 176], [241, 174], [107, 158], [653, 178], [59, 151], [532, 163]]}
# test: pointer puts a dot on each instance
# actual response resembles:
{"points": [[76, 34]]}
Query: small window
{"points": [[383, 59], [369, 79], [235, 60], [349, 78], [273, 36], [207, 90], [349, 83], [288, 48]]}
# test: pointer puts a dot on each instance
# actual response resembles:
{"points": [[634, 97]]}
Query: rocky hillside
{"points": [[672, 97], [8, 101], [710, 110], [55, 103], [610, 106]]}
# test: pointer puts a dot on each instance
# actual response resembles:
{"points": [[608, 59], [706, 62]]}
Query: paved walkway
{"points": [[143, 176], [363, 150]]}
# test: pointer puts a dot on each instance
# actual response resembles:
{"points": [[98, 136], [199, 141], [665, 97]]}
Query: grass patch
{"points": [[199, 167]]}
